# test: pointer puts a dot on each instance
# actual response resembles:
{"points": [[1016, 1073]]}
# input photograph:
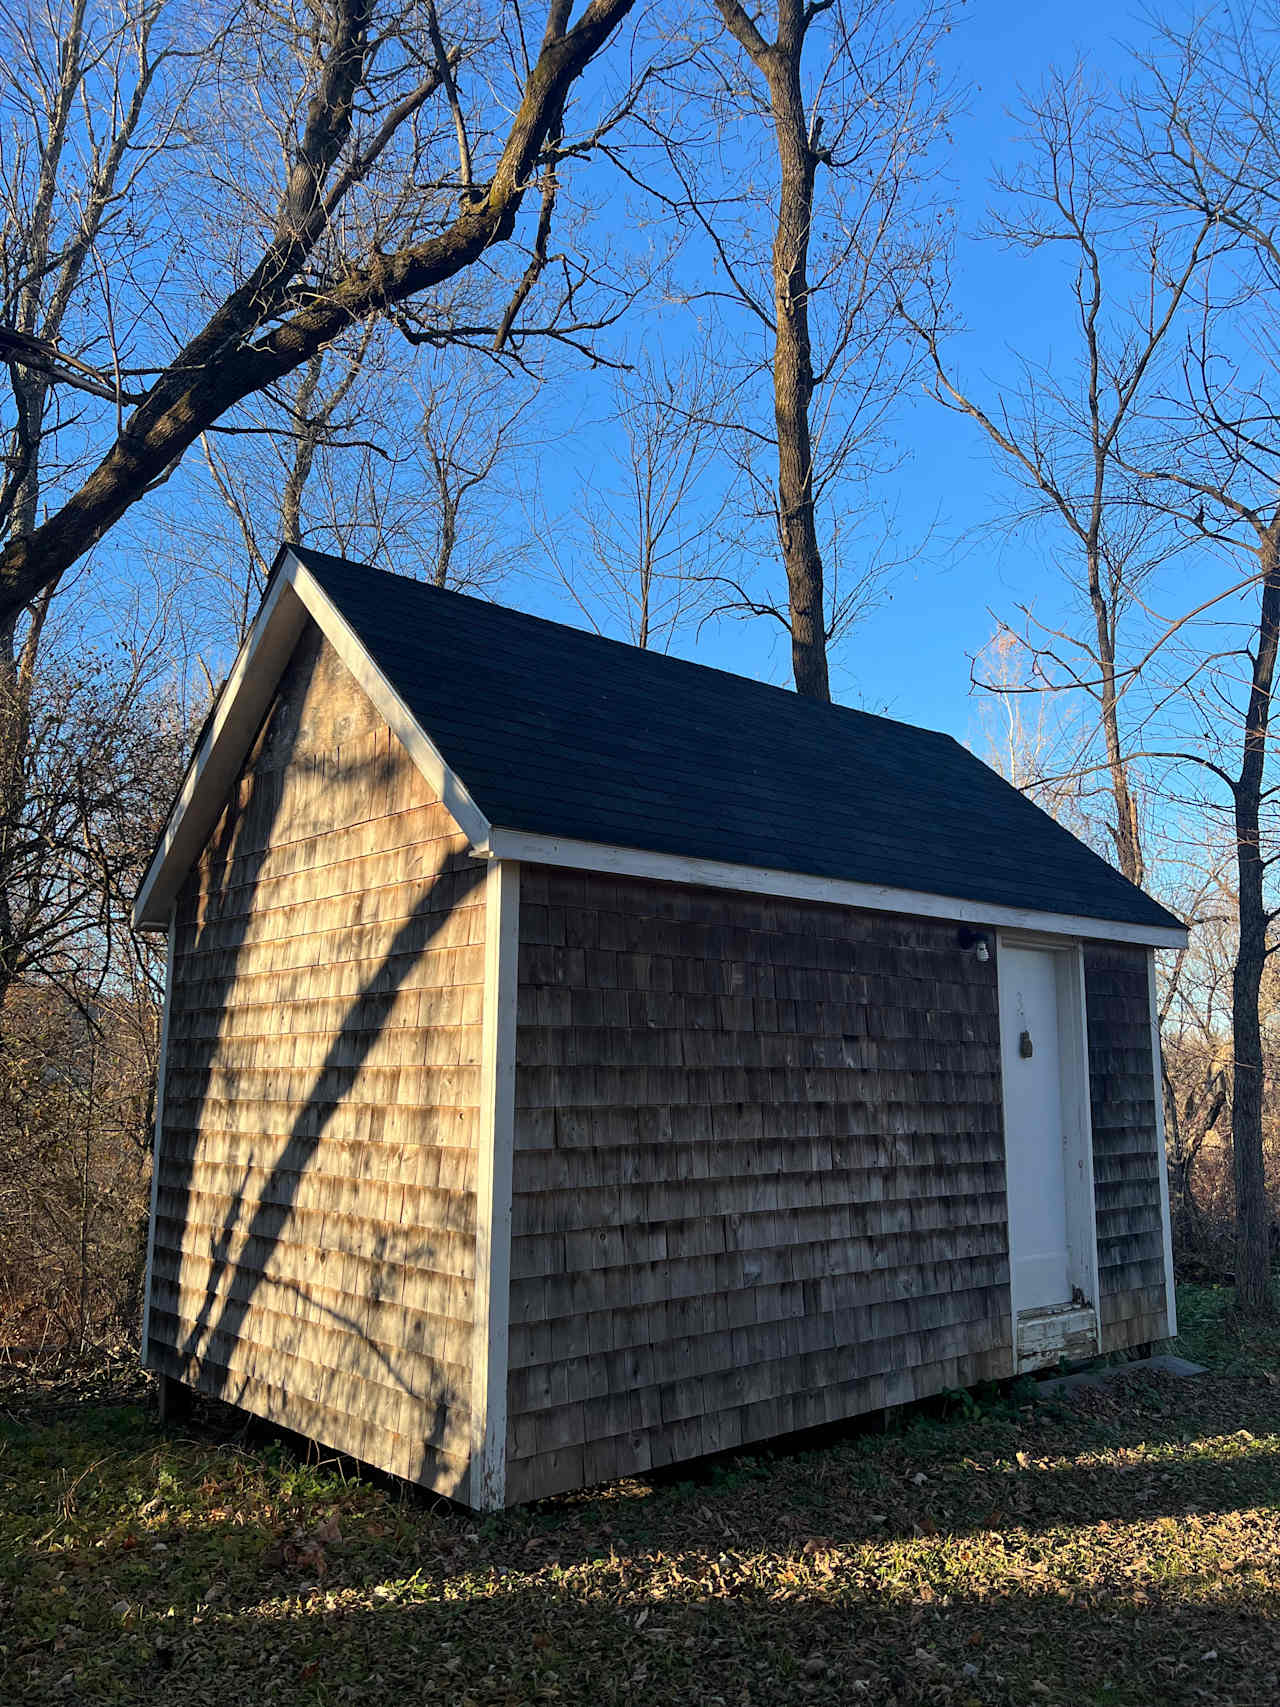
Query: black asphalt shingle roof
{"points": [[560, 732]]}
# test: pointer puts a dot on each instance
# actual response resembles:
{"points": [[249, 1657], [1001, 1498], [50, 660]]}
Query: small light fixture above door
{"points": [[975, 943]]}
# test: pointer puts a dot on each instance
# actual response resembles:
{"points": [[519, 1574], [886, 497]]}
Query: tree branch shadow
{"points": [[207, 1351]]}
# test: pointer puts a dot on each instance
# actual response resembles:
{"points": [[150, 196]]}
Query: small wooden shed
{"points": [[577, 1060]]}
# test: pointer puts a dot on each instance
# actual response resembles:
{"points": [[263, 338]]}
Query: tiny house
{"points": [[577, 1060]]}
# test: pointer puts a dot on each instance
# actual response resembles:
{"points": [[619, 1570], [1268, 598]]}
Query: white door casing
{"points": [[1035, 1133], [1048, 1150]]}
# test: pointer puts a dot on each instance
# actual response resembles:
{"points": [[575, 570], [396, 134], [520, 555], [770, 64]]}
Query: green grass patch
{"points": [[1117, 1546], [1210, 1333]]}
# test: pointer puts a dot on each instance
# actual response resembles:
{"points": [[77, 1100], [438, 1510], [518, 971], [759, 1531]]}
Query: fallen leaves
{"points": [[305, 1550], [988, 1562]]}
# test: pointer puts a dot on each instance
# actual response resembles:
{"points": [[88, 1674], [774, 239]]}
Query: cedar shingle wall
{"points": [[314, 1246], [758, 1174], [1126, 1166]]}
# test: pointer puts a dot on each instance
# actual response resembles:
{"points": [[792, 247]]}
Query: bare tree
{"points": [[75, 1096], [360, 454], [646, 551], [261, 479], [1061, 432], [79, 90], [363, 99], [1033, 735], [422, 476], [1195, 1026], [843, 102], [98, 769], [1206, 146], [1227, 499], [463, 437], [1164, 438]]}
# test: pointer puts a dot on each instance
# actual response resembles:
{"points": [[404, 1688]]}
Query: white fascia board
{"points": [[234, 722], [840, 892], [448, 786], [294, 596]]}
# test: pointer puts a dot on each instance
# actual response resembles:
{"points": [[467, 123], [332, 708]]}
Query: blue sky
{"points": [[911, 656]]}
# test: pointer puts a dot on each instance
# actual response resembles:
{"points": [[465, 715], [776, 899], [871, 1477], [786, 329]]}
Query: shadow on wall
{"points": [[306, 1315]]}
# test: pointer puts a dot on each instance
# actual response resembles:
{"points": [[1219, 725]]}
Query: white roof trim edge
{"points": [[755, 880], [293, 596]]}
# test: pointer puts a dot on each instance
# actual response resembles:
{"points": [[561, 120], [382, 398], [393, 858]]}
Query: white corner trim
{"points": [[161, 1058], [490, 1330], [1166, 1212], [390, 707], [1080, 1026], [757, 880], [293, 596]]}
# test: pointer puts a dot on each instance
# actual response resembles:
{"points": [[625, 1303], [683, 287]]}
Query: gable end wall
{"points": [[314, 1240]]}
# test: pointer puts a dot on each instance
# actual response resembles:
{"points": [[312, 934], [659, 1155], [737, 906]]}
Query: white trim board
{"points": [[1166, 1211], [234, 721], [158, 1134], [292, 596], [487, 1482], [755, 880], [448, 786]]}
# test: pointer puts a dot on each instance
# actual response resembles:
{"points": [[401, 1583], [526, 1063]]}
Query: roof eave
{"points": [[294, 595], [791, 885], [235, 719]]}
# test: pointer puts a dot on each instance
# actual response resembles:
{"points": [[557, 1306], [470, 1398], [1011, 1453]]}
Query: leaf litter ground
{"points": [[1116, 1545]]}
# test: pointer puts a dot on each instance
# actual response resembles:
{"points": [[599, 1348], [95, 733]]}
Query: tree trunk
{"points": [[646, 593], [448, 532], [86, 1202], [793, 364], [306, 439], [779, 64], [12, 754], [1253, 1253], [17, 684], [1125, 832]]}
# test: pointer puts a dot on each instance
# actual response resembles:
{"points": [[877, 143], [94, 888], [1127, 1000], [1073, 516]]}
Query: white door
{"points": [[1035, 1139]]}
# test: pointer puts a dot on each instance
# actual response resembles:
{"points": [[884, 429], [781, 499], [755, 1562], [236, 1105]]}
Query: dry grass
{"points": [[1121, 1546]]}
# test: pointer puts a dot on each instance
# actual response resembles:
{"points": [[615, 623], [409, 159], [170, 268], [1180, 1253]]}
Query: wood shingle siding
{"points": [[758, 1178], [314, 1242], [1126, 1163]]}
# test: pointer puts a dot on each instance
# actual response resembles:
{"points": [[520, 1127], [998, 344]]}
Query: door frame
{"points": [[1074, 1329]]}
